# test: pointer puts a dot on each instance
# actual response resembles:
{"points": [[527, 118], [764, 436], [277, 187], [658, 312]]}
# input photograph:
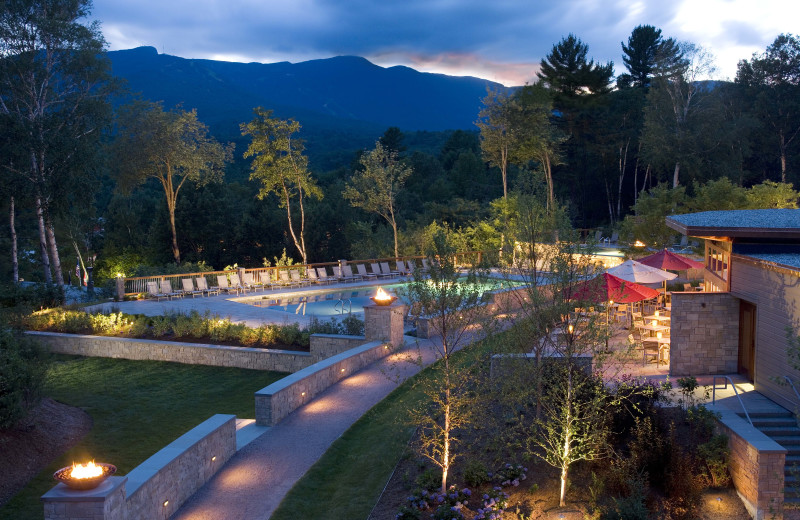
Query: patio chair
{"points": [[267, 280], [388, 272], [425, 267], [621, 312], [362, 272], [188, 287], [202, 285], [153, 292], [377, 270], [401, 268], [285, 279], [166, 288], [250, 283], [222, 281], [297, 279], [650, 350], [311, 275], [322, 274], [347, 271], [237, 283]]}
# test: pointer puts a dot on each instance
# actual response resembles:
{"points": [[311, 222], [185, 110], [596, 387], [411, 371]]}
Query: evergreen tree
{"points": [[647, 54], [566, 71]]}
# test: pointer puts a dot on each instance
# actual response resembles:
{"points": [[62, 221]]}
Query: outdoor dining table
{"points": [[663, 347], [659, 318], [654, 328]]}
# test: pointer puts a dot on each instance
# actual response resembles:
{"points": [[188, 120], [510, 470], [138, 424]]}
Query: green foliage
{"points": [[475, 473], [715, 454], [23, 365], [350, 325], [770, 194], [566, 70], [647, 223], [28, 297], [192, 325], [429, 479]]}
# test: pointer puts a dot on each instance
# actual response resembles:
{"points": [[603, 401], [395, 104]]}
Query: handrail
{"points": [[342, 302], [735, 391], [789, 380]]}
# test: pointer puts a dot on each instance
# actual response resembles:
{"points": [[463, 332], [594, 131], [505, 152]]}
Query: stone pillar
{"points": [[105, 502], [120, 288], [384, 323]]}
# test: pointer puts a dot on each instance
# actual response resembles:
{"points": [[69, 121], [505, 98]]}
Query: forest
{"points": [[94, 175]]}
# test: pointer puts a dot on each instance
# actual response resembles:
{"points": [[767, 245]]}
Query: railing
{"points": [[138, 284], [789, 380], [735, 391]]}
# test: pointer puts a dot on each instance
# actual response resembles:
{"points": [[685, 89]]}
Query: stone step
{"points": [[760, 415], [785, 431], [759, 422], [793, 459], [787, 440]]}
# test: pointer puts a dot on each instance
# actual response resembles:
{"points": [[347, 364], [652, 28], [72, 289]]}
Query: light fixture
{"points": [[166, 503], [655, 322], [342, 370], [658, 335], [213, 458], [302, 393]]}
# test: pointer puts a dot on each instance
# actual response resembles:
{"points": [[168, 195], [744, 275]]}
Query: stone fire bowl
{"points": [[384, 303], [83, 484]]}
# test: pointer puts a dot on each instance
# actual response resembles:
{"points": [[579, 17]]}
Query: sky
{"points": [[499, 40]]}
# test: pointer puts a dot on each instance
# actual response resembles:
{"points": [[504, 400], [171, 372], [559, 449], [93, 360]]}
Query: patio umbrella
{"points": [[666, 259], [634, 271], [606, 287]]}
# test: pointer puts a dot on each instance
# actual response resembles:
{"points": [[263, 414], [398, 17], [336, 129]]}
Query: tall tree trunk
{"points": [[176, 253], [302, 224], [54, 257], [610, 204], [548, 170], [636, 174], [14, 255], [622, 166], [783, 157], [289, 217], [675, 174], [48, 276], [504, 171]]}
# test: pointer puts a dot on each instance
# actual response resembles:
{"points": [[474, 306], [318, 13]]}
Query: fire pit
{"points": [[383, 298], [85, 476]]}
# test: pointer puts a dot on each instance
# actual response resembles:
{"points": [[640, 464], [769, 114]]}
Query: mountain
{"points": [[344, 93]]}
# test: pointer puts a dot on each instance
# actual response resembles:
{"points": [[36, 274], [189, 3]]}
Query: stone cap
{"points": [[63, 493]]}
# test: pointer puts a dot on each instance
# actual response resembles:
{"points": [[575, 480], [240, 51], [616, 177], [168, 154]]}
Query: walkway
{"points": [[253, 483]]}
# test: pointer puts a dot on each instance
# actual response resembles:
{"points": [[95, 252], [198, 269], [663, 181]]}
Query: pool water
{"points": [[332, 302]]}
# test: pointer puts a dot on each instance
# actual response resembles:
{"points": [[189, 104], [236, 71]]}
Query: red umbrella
{"points": [[666, 259], [607, 287]]}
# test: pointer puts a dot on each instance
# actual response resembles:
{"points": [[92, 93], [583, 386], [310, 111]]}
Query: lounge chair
{"points": [[340, 276], [322, 274], [188, 287], [377, 270], [153, 292], [222, 280], [425, 267], [297, 279], [166, 288], [267, 281], [311, 276], [285, 280], [250, 283], [347, 271], [362, 272], [388, 272], [202, 285], [401, 268]]}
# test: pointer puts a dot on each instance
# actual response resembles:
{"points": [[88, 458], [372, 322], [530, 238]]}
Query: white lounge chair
{"points": [[188, 287], [166, 288], [202, 285], [401, 268], [362, 272], [388, 272], [250, 283], [153, 292], [222, 280], [297, 279], [347, 271], [267, 280], [378, 272], [322, 274]]}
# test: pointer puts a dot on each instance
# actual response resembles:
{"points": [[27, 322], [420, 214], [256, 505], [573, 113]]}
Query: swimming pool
{"points": [[334, 302]]}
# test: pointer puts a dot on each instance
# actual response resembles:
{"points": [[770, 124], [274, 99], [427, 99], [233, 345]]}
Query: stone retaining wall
{"points": [[276, 401], [157, 487], [756, 466], [189, 353], [324, 346], [704, 333]]}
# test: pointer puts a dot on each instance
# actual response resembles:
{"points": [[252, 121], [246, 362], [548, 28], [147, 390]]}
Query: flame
{"points": [[382, 295], [638, 243], [88, 470]]}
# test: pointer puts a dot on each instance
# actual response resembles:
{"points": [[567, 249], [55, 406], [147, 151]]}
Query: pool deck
{"points": [[227, 306]]}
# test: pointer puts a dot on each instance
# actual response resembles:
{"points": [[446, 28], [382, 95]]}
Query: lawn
{"points": [[138, 407]]}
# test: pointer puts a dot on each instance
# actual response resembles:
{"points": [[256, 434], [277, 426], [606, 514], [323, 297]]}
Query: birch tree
{"points": [[54, 81], [496, 124], [281, 167], [172, 147], [375, 187]]}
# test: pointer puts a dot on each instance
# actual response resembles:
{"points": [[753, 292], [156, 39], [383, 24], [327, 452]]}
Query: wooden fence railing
{"points": [[130, 286]]}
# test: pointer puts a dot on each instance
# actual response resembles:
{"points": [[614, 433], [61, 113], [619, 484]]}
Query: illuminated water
{"points": [[333, 301]]}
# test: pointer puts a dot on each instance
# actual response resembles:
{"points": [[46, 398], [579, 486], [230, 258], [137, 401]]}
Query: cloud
{"points": [[496, 39]]}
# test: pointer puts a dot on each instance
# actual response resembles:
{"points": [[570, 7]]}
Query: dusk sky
{"points": [[500, 40]]}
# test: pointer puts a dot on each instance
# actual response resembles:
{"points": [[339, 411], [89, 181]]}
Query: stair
{"points": [[782, 428]]}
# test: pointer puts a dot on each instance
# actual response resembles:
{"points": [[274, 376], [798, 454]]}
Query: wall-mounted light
{"points": [[166, 503]]}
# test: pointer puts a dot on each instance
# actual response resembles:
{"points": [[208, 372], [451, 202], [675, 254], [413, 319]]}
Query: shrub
{"points": [[429, 479], [32, 296], [510, 474], [714, 455], [632, 506], [475, 473], [162, 325], [23, 366]]}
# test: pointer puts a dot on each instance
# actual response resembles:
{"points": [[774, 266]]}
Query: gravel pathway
{"points": [[253, 483]]}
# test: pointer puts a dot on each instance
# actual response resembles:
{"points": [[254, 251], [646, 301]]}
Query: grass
{"points": [[138, 407], [347, 481], [349, 478]]}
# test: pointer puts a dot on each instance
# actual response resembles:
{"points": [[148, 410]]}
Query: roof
{"points": [[783, 255], [740, 223]]}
